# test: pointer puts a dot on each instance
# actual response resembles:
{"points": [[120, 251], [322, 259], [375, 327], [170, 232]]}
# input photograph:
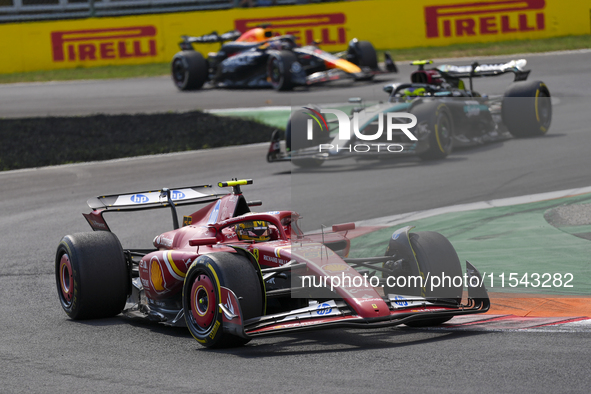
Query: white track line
{"points": [[221, 150], [503, 202], [250, 109], [514, 55]]}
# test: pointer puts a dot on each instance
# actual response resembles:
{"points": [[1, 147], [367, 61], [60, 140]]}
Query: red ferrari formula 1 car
{"points": [[231, 275]]}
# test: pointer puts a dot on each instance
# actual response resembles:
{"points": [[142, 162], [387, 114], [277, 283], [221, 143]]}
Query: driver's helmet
{"points": [[276, 44], [256, 230], [288, 42], [413, 92]]}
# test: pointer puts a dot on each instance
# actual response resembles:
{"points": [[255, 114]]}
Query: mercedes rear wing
{"points": [[476, 70]]}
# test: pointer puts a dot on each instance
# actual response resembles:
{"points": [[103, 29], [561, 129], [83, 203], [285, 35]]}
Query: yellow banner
{"points": [[388, 24]]}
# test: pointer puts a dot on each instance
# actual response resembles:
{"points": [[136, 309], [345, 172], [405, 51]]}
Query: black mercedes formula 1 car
{"points": [[259, 59], [433, 114]]}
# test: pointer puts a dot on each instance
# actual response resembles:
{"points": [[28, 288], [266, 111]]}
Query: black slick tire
{"points": [[189, 70], [527, 109], [367, 56], [201, 296], [296, 136], [436, 257], [279, 66], [91, 274], [440, 126]]}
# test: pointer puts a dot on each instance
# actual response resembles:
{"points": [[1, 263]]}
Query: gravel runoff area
{"points": [[36, 142]]}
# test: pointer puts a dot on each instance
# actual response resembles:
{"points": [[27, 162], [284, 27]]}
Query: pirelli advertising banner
{"points": [[386, 23]]}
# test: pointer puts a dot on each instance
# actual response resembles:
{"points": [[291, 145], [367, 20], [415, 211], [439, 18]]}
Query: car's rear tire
{"points": [[440, 126], [91, 275], [527, 109], [279, 70], [437, 257], [201, 296], [189, 70]]}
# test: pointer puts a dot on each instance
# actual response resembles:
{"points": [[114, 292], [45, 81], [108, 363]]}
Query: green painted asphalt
{"points": [[504, 240], [576, 229], [275, 117], [272, 117]]}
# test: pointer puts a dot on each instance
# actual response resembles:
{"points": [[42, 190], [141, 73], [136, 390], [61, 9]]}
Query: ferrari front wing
{"points": [[338, 314]]}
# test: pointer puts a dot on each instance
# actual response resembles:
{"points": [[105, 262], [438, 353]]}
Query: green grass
{"points": [[491, 49], [457, 50], [106, 72]]}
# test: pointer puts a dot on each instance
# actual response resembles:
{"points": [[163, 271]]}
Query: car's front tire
{"points": [[201, 296], [439, 121], [296, 136], [437, 258], [363, 55], [279, 67], [420, 272]]}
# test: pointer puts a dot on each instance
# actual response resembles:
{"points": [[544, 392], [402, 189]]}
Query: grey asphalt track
{"points": [[567, 72], [42, 351]]}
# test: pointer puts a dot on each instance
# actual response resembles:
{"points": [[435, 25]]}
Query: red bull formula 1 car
{"points": [[257, 58], [231, 275]]}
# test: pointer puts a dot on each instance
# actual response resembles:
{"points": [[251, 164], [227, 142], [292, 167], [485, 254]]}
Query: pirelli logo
{"points": [[103, 44], [327, 28], [484, 18]]}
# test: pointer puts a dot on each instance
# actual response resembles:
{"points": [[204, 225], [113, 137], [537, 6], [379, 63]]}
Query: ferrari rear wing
{"points": [[149, 200], [476, 70], [156, 198]]}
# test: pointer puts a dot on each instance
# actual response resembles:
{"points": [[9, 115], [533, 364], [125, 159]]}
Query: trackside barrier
{"points": [[386, 23], [36, 10]]}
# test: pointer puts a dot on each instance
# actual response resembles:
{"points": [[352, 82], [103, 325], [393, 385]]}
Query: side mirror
{"points": [[343, 227], [203, 241]]}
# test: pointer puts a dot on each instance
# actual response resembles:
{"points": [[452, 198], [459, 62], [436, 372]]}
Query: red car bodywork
{"points": [[159, 276]]}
